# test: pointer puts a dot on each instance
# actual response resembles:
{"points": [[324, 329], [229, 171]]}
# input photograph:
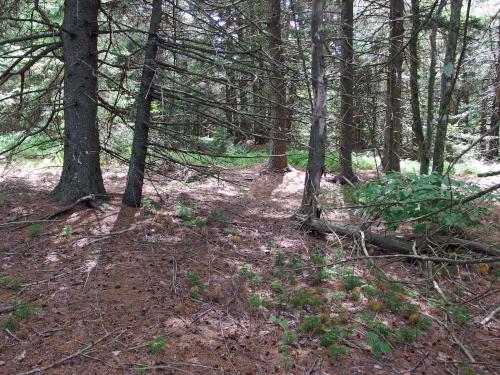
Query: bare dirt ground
{"points": [[126, 291]]}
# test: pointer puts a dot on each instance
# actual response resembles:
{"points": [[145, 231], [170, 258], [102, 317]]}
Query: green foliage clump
{"points": [[156, 344], [195, 284], [21, 312], [290, 337], [461, 315], [10, 283], [216, 217], [398, 197], [257, 302], [149, 204], [277, 287], [392, 302], [350, 282], [331, 337], [36, 229], [305, 297], [250, 275], [377, 346], [183, 212], [311, 324], [337, 351]]}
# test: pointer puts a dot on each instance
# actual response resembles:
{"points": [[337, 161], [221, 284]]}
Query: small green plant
{"points": [[461, 315], [290, 337], [296, 262], [280, 260], [424, 323], [408, 309], [257, 302], [149, 204], [305, 297], [392, 302], [10, 283], [183, 212], [406, 334], [282, 322], [277, 287], [369, 290], [67, 231], [339, 295], [330, 338], [311, 324], [337, 351], [350, 282], [377, 346], [250, 275], [21, 312], [216, 217], [286, 358], [156, 344], [36, 229], [195, 284], [317, 258]]}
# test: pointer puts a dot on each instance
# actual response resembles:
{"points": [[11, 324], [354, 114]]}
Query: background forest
{"points": [[168, 161]]}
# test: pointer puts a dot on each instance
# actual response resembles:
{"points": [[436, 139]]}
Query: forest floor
{"points": [[211, 277]]}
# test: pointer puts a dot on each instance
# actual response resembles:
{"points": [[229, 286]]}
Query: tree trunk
{"points": [[418, 133], [135, 179], [446, 87], [393, 127], [495, 116], [278, 160], [346, 91], [317, 140], [426, 160], [81, 174]]}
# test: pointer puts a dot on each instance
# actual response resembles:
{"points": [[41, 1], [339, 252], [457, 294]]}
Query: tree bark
{"points": [[446, 87], [135, 179], [418, 133], [495, 116], [278, 159], [317, 140], [426, 156], [393, 127], [81, 174], [346, 91]]}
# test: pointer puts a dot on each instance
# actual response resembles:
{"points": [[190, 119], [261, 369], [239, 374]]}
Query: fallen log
{"points": [[397, 244]]}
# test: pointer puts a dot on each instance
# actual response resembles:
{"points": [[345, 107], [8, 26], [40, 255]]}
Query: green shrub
{"points": [[350, 282], [377, 346], [305, 297], [290, 337], [337, 351], [158, 343], [311, 324], [416, 196]]}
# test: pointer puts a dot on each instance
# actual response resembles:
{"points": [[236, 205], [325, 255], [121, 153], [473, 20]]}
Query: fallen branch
{"points": [[488, 174], [62, 360], [6, 309], [490, 316], [398, 245]]}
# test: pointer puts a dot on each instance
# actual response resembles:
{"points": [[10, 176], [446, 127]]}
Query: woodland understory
{"points": [[249, 187], [216, 277]]}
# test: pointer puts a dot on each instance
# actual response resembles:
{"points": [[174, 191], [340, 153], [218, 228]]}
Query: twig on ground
{"points": [[67, 358], [455, 338], [12, 335], [490, 316]]}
